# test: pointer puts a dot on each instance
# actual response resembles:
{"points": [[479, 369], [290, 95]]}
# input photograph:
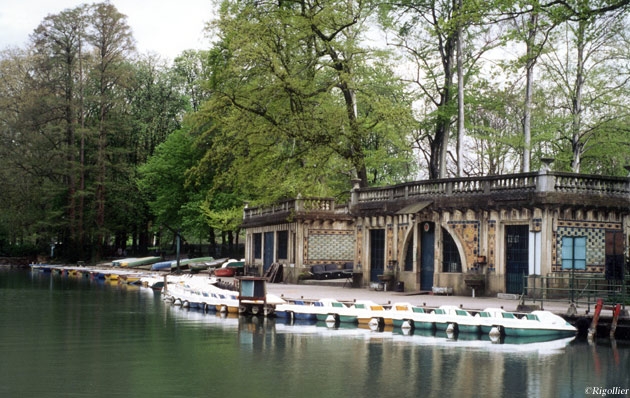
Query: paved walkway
{"points": [[315, 292]]}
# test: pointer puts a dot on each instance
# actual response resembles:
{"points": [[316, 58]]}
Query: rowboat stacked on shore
{"points": [[135, 262], [230, 268], [194, 264]]}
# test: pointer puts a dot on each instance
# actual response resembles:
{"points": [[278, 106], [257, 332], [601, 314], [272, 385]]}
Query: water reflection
{"points": [[257, 325], [389, 362], [98, 339]]}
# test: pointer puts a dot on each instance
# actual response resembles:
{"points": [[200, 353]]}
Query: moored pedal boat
{"points": [[326, 307], [396, 315], [489, 317], [297, 309], [534, 324], [361, 312], [422, 319], [450, 318]]}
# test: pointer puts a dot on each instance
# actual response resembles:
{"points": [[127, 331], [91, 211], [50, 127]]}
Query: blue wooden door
{"points": [[268, 255], [516, 258], [377, 253], [427, 255]]}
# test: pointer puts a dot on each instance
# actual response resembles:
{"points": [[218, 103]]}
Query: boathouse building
{"points": [[491, 234]]}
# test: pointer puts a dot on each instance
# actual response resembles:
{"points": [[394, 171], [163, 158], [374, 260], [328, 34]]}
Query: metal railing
{"points": [[581, 290]]}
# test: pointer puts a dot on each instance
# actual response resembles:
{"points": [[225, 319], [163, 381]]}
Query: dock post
{"points": [[613, 327], [592, 330]]}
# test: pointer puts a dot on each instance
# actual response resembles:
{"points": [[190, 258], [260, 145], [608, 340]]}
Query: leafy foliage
{"points": [[104, 148]]}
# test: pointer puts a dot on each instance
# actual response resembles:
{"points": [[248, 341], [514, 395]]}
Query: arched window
{"points": [[451, 262]]}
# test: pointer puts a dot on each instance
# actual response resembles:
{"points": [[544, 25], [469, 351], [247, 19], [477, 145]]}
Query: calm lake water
{"points": [[70, 337]]}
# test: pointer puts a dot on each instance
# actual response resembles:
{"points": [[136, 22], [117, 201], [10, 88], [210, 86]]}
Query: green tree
{"points": [[585, 69], [190, 70], [78, 114], [297, 99], [26, 159], [58, 43], [428, 34], [113, 42]]}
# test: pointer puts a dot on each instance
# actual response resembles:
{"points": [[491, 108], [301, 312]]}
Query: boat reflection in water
{"points": [[79, 334], [357, 361], [244, 324]]}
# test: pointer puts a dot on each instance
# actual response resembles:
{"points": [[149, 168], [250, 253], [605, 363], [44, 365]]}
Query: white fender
{"points": [[374, 323]]}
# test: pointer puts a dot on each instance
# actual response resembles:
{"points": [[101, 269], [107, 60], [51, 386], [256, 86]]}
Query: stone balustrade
{"points": [[535, 182], [523, 182], [294, 206]]}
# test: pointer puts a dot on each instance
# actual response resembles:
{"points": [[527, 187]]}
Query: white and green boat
{"points": [[534, 324]]}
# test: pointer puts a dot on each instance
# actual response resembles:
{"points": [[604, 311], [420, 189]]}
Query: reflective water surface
{"points": [[71, 337]]}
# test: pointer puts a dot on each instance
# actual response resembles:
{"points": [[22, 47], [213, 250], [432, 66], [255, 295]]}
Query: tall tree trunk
{"points": [[532, 55], [112, 39], [439, 145], [576, 109], [460, 91], [100, 182]]}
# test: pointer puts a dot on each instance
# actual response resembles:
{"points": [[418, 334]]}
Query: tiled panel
{"points": [[468, 234], [492, 244], [595, 233], [331, 246]]}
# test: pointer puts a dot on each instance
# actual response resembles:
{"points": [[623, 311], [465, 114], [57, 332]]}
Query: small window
{"points": [[258, 245], [574, 252], [283, 244]]}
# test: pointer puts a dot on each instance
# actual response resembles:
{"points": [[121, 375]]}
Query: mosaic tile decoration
{"points": [[595, 233], [468, 234], [492, 239], [330, 246]]}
